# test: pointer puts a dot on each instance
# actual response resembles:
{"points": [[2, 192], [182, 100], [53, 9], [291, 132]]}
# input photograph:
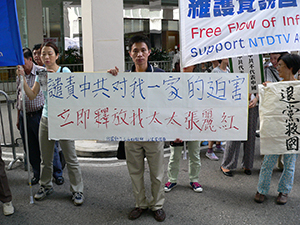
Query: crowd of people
{"points": [[42, 151]]}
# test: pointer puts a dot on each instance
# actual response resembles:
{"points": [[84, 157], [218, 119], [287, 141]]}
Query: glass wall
{"points": [[162, 17], [62, 25], [157, 19]]}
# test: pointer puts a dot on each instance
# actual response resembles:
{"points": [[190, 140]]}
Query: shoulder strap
{"points": [[274, 75]]}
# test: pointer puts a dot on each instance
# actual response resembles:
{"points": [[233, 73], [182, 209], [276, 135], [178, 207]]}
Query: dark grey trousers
{"points": [[232, 148], [5, 194]]}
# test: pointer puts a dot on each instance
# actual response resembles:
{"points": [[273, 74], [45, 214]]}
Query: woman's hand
{"points": [[114, 71], [265, 83], [253, 102]]}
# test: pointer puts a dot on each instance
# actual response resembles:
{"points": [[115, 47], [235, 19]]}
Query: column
{"points": [[34, 22], [102, 33]]}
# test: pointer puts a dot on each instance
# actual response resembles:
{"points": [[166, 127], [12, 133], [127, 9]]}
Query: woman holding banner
{"points": [[49, 55], [288, 65]]}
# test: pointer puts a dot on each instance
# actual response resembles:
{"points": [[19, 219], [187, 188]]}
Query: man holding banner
{"points": [[153, 150], [222, 67]]}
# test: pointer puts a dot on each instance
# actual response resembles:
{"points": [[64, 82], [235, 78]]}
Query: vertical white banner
{"points": [[252, 65], [279, 112]]}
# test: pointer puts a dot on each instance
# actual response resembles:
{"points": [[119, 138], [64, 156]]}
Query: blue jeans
{"points": [[57, 167], [286, 180]]}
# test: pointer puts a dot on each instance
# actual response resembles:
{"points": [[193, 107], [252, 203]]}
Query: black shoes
{"points": [[59, 180], [247, 172], [34, 180], [229, 173]]}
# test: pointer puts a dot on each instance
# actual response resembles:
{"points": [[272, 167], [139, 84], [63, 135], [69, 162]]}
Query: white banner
{"points": [[148, 106], [252, 65], [279, 112], [213, 29]]}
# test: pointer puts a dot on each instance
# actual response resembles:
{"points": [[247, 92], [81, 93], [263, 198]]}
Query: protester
{"points": [[36, 52], [288, 65], [5, 194], [271, 75], [34, 110], [58, 159], [49, 55], [194, 160], [139, 51], [213, 65], [232, 148], [219, 66]]}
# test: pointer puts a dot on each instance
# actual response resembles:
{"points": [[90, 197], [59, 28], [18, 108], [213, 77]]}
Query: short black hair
{"points": [[36, 47], [291, 61], [27, 53], [138, 39]]}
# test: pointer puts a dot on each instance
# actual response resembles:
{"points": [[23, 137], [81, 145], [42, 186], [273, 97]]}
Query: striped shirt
{"points": [[30, 105]]}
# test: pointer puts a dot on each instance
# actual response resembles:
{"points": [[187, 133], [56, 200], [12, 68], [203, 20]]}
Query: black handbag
{"points": [[121, 150]]}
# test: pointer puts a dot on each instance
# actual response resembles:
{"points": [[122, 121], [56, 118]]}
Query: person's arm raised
{"points": [[30, 92]]}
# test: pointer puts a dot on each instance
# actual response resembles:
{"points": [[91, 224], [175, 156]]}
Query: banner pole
{"points": [[26, 139], [181, 70], [180, 40]]}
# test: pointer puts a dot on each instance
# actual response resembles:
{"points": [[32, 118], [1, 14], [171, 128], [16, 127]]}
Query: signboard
{"points": [[279, 112], [211, 30], [252, 65], [148, 106]]}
